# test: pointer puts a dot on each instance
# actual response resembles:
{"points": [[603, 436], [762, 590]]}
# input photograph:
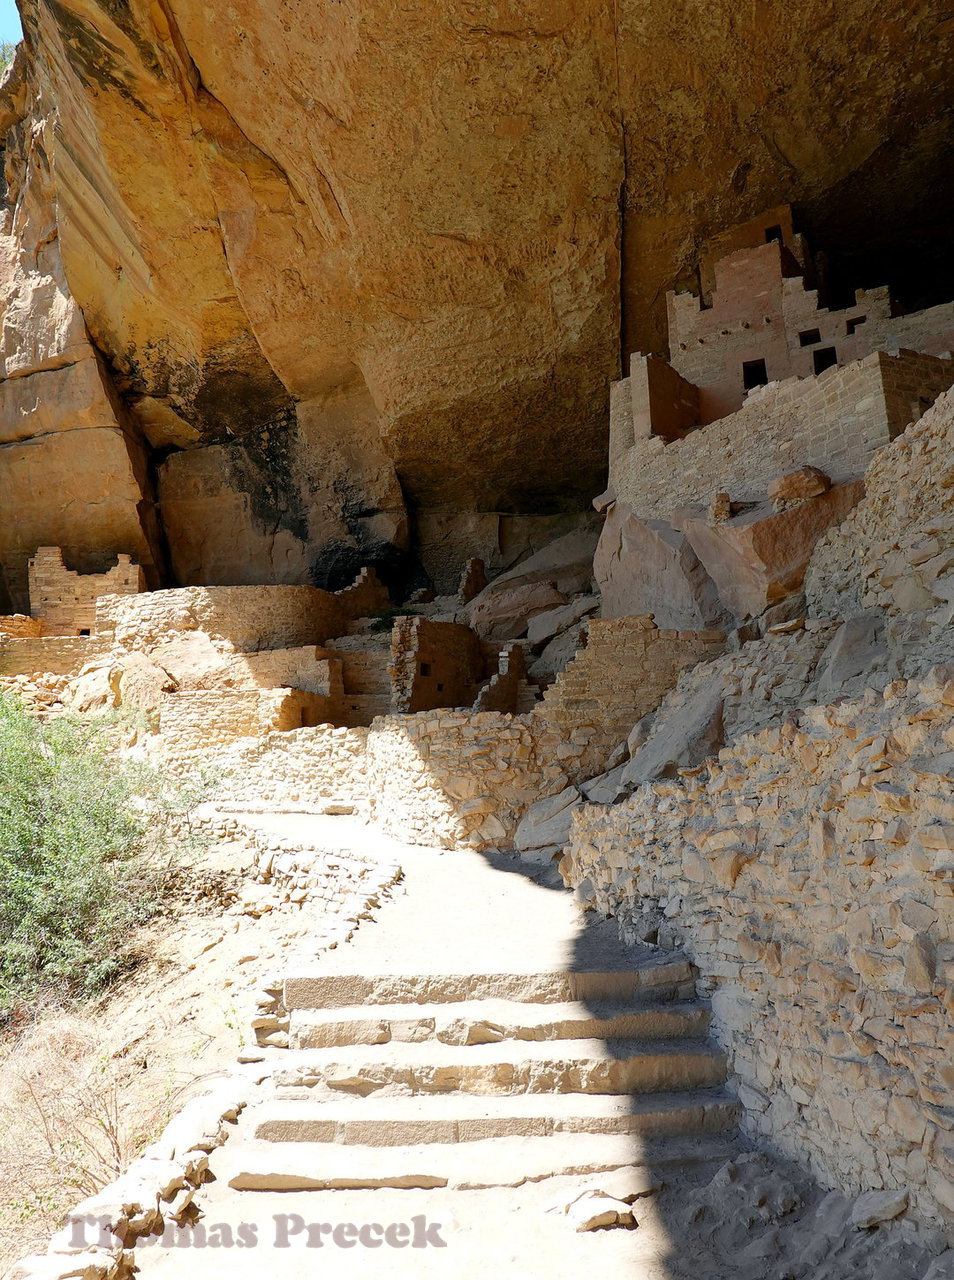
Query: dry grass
{"points": [[71, 1119]]}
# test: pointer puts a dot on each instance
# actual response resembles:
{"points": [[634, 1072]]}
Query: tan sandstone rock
{"points": [[645, 566], [759, 557]]}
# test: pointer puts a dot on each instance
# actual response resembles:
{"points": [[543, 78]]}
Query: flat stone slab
{"points": [[663, 978], [577, 1066], [410, 1120], [487, 1021], [493, 1162]]}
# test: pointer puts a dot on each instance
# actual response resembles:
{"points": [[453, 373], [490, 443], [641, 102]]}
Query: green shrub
{"points": [[80, 834]]}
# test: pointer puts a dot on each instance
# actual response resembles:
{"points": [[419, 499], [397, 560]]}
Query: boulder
{"points": [[566, 562], [759, 557], [681, 739], [505, 615], [547, 625], [797, 486], [857, 648], [878, 1206], [142, 682], [191, 659], [646, 566], [94, 690], [548, 821], [608, 787], [941, 1268], [559, 653]]}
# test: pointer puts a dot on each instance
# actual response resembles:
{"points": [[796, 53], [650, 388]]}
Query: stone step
{"points": [[419, 1119], [510, 1066], [323, 988], [470, 1166], [474, 1022]]}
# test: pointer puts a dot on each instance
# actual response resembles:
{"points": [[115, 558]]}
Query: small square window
{"points": [[824, 358], [809, 337], [440, 688], [753, 374], [854, 323], [425, 668], [773, 235], [85, 631]]}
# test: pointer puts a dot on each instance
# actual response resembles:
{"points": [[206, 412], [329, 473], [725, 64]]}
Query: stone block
{"points": [[647, 567]]}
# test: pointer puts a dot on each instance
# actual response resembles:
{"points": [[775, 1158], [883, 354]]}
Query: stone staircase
{"points": [[474, 1080]]}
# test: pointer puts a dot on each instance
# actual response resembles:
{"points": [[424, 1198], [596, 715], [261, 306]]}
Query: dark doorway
{"points": [[753, 374], [809, 337], [824, 358]]}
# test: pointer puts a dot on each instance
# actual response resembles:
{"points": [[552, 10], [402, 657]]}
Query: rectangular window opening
{"points": [[754, 374], [425, 668], [85, 631], [854, 323], [824, 358], [809, 337]]}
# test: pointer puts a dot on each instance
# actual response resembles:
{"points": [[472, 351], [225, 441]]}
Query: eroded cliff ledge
{"points": [[335, 285]]}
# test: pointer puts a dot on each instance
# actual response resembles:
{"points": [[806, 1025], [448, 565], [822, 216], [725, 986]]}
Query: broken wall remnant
{"points": [[65, 601], [434, 664]]}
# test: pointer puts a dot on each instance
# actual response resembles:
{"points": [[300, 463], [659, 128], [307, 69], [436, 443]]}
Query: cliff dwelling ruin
{"points": [[538, 537]]}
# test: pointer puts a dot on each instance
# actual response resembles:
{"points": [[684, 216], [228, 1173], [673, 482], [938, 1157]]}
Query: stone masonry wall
{"points": [[626, 669], [761, 309], [508, 688], [303, 770], [20, 625], [248, 618], [896, 549], [199, 720], [433, 664], [65, 601], [835, 421], [56, 655], [449, 777], [809, 872]]}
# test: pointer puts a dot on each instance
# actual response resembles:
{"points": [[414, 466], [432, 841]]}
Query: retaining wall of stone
{"points": [[809, 872]]}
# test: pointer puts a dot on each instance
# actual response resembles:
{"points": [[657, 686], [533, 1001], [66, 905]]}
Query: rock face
{"points": [[761, 556], [646, 566], [327, 265]]}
